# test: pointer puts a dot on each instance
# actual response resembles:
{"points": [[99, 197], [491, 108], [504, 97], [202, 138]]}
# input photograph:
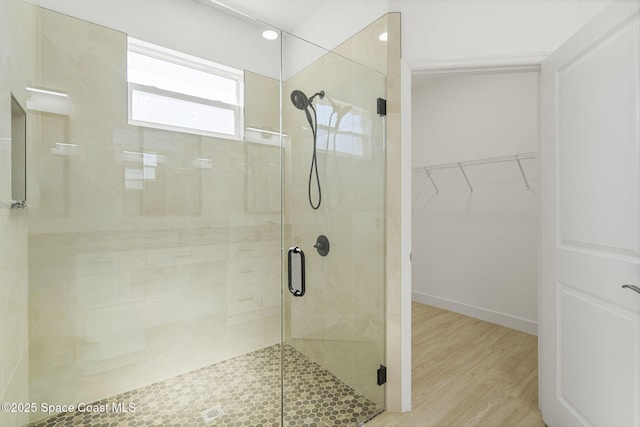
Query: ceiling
{"points": [[284, 14]]}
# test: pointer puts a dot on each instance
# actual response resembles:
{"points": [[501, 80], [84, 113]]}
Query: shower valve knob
{"points": [[322, 245]]}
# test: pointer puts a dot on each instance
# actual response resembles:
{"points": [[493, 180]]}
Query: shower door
{"points": [[334, 176]]}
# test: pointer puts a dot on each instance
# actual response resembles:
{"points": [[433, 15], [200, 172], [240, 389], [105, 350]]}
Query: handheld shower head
{"points": [[300, 100]]}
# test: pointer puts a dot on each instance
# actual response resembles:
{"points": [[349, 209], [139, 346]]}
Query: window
{"points": [[174, 91]]}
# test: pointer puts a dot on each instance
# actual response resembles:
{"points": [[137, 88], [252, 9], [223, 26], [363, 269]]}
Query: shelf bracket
{"points": [[465, 176], [431, 179], [524, 175]]}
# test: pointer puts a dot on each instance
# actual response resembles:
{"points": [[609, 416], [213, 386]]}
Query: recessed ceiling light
{"points": [[383, 37], [270, 34]]}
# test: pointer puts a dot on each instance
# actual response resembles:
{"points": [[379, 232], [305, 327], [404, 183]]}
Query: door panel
{"points": [[589, 325], [588, 380], [591, 214]]}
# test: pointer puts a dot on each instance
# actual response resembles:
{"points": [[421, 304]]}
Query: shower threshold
{"points": [[242, 391]]}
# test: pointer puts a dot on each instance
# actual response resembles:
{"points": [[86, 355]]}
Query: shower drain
{"points": [[212, 414]]}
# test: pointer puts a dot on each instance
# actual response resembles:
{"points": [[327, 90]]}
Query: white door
{"points": [[590, 156]]}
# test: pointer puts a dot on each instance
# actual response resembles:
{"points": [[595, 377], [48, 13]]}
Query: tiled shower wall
{"points": [[340, 322], [151, 253], [18, 65]]}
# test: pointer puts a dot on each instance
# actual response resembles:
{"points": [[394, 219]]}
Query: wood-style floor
{"points": [[466, 372]]}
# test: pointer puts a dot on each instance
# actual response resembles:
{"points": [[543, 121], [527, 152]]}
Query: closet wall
{"points": [[475, 233]]}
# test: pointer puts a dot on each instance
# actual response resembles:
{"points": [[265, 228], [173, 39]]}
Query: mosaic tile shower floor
{"points": [[243, 391]]}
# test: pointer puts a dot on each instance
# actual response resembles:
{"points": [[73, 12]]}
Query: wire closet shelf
{"points": [[517, 158]]}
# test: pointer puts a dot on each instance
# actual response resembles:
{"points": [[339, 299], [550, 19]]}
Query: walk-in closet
{"points": [[475, 193]]}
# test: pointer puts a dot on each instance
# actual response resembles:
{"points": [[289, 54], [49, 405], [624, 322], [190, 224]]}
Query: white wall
{"points": [[437, 30], [475, 253], [466, 117], [183, 25]]}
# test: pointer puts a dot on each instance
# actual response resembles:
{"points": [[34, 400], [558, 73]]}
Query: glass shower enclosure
{"points": [[169, 228]]}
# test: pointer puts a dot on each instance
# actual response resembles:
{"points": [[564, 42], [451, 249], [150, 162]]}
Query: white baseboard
{"points": [[502, 319]]}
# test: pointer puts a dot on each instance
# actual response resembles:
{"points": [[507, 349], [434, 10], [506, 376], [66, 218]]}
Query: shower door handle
{"points": [[296, 252]]}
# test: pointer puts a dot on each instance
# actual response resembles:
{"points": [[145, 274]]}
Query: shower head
{"points": [[301, 101]]}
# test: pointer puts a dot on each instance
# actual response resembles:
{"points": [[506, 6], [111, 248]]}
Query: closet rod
{"points": [[487, 160], [461, 165]]}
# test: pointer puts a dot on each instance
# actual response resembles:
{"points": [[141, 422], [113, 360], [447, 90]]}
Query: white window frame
{"points": [[179, 58]]}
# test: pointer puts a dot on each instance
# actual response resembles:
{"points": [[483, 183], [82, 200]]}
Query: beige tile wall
{"points": [[18, 67], [137, 278], [397, 219]]}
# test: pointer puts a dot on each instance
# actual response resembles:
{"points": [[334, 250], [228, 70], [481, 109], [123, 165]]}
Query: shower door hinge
{"points": [[382, 107], [382, 375]]}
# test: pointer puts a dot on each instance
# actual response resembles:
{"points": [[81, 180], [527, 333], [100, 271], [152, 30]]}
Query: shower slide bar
{"points": [[461, 165]]}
